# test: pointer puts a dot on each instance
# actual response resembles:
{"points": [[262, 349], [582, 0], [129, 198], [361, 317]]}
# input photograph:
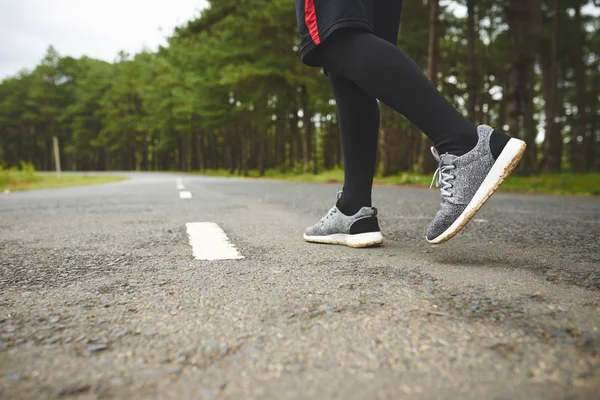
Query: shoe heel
{"points": [[364, 239]]}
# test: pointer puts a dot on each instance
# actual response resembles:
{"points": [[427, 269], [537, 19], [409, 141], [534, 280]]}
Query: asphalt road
{"points": [[100, 297]]}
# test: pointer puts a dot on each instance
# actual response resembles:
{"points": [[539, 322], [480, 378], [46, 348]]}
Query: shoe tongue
{"points": [[448, 158]]}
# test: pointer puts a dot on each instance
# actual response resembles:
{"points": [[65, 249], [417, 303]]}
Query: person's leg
{"points": [[358, 119], [353, 222], [388, 74], [474, 160]]}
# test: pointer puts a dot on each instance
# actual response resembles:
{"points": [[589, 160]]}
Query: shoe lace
{"points": [[328, 215], [443, 175], [333, 209]]}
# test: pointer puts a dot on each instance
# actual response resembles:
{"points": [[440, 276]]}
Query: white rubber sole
{"points": [[357, 240], [504, 165]]}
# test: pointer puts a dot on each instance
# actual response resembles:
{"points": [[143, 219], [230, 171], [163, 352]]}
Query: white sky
{"points": [[98, 29]]}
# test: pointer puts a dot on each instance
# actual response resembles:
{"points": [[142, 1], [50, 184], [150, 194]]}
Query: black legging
{"points": [[385, 72], [363, 67]]}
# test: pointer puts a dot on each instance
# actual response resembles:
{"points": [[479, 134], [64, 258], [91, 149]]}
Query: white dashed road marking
{"points": [[185, 195], [209, 242], [180, 185]]}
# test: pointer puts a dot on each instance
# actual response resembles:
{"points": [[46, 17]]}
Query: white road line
{"points": [[209, 242], [180, 186], [185, 195]]}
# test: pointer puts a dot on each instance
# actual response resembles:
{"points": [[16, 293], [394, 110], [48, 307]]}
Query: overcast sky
{"points": [[98, 29]]}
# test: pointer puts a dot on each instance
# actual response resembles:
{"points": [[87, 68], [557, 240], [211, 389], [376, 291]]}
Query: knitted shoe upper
{"points": [[336, 222], [459, 179]]}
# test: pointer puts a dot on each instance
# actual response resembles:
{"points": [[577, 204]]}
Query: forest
{"points": [[229, 92]]}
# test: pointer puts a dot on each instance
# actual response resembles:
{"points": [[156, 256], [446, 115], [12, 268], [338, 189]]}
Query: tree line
{"points": [[229, 92]]}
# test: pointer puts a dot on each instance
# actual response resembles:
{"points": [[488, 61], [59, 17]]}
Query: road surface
{"points": [[101, 296]]}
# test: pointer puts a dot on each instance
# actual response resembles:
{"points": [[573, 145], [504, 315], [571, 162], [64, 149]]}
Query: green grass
{"points": [[14, 180], [580, 184]]}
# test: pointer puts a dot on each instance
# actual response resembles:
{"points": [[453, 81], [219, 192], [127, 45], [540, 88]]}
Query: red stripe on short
{"points": [[310, 17]]}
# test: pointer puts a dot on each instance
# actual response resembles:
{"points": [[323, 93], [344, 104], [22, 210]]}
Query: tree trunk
{"points": [[132, 157], [244, 152], [417, 140], [308, 130], [240, 155], [145, 156], [328, 146], [594, 148], [294, 139], [426, 162], [339, 159], [180, 152], [201, 151], [315, 148], [583, 136], [553, 141], [261, 143], [415, 147], [280, 144], [481, 96], [210, 149], [195, 153], [216, 152], [388, 145], [104, 160], [524, 20], [233, 150], [472, 39], [502, 112], [530, 129], [48, 155], [5, 155]]}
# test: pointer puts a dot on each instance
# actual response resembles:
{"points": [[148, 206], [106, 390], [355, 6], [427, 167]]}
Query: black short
{"points": [[318, 19]]}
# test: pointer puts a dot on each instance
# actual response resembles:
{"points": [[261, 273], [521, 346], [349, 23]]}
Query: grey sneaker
{"points": [[358, 230], [466, 182]]}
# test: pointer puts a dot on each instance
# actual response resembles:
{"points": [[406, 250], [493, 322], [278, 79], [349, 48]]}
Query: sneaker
{"points": [[358, 230], [466, 182]]}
